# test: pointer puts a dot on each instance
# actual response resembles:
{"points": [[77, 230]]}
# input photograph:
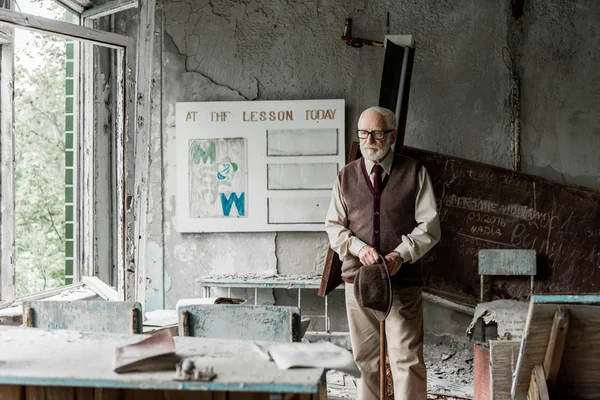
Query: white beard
{"points": [[380, 153]]}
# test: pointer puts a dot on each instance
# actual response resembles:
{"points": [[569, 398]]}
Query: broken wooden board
{"points": [[503, 358], [62, 358], [86, 316], [247, 322], [486, 207], [578, 373]]}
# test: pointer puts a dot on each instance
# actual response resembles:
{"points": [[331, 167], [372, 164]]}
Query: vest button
{"points": [[376, 232], [376, 212], [377, 197]]}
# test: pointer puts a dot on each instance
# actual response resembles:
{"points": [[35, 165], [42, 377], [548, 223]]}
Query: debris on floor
{"points": [[449, 372]]}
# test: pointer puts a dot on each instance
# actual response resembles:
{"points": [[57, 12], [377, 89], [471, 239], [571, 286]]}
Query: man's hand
{"points": [[368, 255], [394, 262]]}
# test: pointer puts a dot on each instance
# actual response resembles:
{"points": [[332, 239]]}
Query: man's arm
{"points": [[341, 239], [427, 233]]}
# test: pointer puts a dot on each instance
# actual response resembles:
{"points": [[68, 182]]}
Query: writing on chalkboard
{"points": [[486, 207]]}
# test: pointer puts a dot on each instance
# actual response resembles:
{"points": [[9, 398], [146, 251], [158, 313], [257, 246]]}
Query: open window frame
{"points": [[86, 249]]}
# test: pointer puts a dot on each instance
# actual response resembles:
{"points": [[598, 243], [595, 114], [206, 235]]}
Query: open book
{"points": [[156, 353]]}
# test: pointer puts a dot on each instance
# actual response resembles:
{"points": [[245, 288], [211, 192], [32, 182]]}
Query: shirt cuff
{"points": [[355, 245], [404, 253]]}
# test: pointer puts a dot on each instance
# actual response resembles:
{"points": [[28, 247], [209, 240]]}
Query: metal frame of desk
{"points": [[279, 282]]}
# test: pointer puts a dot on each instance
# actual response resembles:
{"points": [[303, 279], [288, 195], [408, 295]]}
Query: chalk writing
{"points": [[485, 230], [487, 219], [544, 219], [488, 207], [592, 233]]}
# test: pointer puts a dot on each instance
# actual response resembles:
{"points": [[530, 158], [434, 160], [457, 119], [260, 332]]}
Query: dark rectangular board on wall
{"points": [[487, 207]]}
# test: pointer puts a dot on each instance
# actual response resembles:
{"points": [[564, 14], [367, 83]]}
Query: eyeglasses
{"points": [[362, 134]]}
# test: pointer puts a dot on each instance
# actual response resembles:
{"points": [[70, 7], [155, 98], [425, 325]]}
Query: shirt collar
{"points": [[386, 163]]}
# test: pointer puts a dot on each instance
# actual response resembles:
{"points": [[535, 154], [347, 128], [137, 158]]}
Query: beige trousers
{"points": [[404, 335]]}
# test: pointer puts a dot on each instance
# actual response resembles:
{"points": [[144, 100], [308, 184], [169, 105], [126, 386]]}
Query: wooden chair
{"points": [[84, 316], [505, 262], [246, 322]]}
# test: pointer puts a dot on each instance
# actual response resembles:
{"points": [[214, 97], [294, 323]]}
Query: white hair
{"points": [[387, 114]]}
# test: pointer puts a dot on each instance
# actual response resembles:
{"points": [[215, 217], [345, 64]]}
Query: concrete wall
{"points": [[272, 50]]}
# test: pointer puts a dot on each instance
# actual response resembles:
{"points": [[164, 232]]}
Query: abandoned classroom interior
{"points": [[144, 279]]}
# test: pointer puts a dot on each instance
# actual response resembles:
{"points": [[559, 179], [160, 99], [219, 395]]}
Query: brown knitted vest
{"points": [[380, 221]]}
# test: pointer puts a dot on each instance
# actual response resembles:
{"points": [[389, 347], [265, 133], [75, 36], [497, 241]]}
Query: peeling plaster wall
{"points": [[270, 50], [558, 58]]}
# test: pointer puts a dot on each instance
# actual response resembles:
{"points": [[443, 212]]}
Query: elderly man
{"points": [[384, 205]]}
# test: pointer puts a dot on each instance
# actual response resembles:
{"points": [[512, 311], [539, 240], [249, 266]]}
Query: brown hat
{"points": [[373, 289]]}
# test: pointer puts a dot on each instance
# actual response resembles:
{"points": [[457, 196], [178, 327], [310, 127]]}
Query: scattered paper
{"points": [[313, 355], [509, 315]]}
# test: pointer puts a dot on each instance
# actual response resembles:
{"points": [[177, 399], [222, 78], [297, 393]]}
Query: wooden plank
{"points": [[236, 364], [59, 393], [483, 206], [101, 288], [332, 270], [12, 392], [507, 262], [564, 298], [122, 67], [107, 394], [503, 359], [581, 356], [248, 322], [537, 385], [82, 393], [86, 174], [556, 344], [109, 8], [75, 6], [86, 316], [49, 293], [142, 113], [7, 185], [179, 395], [62, 29], [433, 298]]}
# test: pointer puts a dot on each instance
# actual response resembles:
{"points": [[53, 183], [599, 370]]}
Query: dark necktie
{"points": [[377, 178]]}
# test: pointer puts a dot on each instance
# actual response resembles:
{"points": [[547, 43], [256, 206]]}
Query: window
{"points": [[62, 164], [44, 132]]}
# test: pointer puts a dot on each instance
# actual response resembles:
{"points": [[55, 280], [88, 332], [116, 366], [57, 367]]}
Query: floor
{"points": [[449, 372]]}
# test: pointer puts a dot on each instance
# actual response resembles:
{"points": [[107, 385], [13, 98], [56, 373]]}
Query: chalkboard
{"points": [[487, 207]]}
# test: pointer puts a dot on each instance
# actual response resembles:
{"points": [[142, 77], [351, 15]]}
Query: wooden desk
{"points": [[58, 364], [295, 282]]}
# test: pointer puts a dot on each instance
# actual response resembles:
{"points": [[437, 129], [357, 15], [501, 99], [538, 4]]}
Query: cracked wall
{"points": [[275, 50]]}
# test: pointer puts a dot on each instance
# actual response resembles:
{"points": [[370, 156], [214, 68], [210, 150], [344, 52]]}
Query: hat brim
{"points": [[382, 315]]}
